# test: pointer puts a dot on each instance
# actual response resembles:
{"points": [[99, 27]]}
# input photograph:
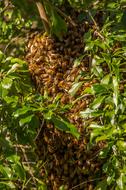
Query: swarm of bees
{"points": [[51, 64]]}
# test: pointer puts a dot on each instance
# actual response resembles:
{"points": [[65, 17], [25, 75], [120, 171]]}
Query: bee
{"points": [[53, 90], [32, 48], [30, 44], [49, 71], [87, 84], [74, 70], [56, 81], [72, 78], [61, 84], [59, 75], [45, 75], [64, 65], [39, 59], [52, 148], [64, 99], [52, 57], [82, 105]]}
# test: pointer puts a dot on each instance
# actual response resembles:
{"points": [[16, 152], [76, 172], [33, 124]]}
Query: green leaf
{"points": [[106, 79], [102, 185], [59, 26], [8, 184], [116, 91], [101, 138], [103, 153], [97, 71], [5, 171], [13, 100], [89, 46], [13, 158], [88, 36], [62, 187], [120, 181], [89, 113], [97, 102], [14, 68], [48, 114], [112, 5], [95, 126], [23, 110], [17, 60], [26, 120], [1, 56], [100, 88], [75, 88], [3, 92], [42, 187], [19, 171], [65, 126], [7, 83], [78, 61], [121, 145]]}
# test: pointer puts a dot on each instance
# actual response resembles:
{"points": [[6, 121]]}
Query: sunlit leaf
{"points": [[19, 171], [78, 61], [97, 102], [26, 120], [8, 184], [7, 83], [5, 171], [75, 88], [100, 88], [23, 110], [120, 181], [106, 79], [65, 126]]}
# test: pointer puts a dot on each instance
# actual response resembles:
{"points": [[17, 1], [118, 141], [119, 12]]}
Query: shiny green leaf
{"points": [[75, 88], [26, 120], [7, 83], [65, 126]]}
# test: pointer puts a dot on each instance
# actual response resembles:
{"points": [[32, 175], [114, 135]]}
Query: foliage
{"points": [[16, 132], [107, 111], [13, 28], [22, 110]]}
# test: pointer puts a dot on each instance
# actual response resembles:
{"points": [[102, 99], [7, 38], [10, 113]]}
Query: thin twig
{"points": [[21, 146], [92, 19], [96, 26], [26, 183], [68, 18], [86, 182], [39, 130], [83, 96], [10, 42], [26, 159], [95, 155]]}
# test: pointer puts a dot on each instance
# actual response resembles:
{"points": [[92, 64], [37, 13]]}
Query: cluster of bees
{"points": [[51, 64]]}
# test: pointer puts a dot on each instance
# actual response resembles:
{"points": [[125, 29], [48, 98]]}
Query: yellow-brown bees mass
{"points": [[52, 66], [51, 62]]}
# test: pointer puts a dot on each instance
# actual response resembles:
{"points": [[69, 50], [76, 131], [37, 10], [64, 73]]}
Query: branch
{"points": [[68, 18], [43, 15]]}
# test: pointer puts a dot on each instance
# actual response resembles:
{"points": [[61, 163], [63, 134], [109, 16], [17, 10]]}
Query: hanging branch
{"points": [[43, 15]]}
